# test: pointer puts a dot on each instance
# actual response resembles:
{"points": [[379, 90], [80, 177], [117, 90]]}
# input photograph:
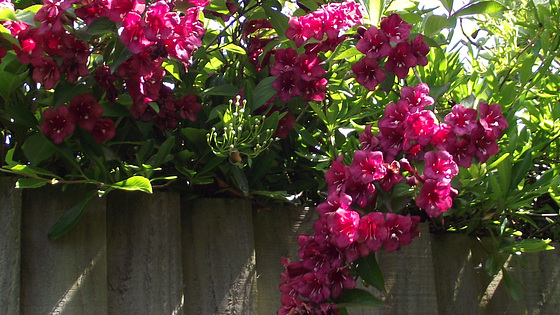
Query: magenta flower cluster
{"points": [[151, 33], [390, 44], [344, 233], [410, 131]]}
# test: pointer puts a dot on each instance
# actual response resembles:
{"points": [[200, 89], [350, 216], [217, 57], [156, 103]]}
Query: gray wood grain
{"points": [[219, 257], [67, 275], [144, 253], [10, 249]]}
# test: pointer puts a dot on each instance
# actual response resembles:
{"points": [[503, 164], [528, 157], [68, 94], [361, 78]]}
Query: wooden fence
{"points": [[134, 253]]}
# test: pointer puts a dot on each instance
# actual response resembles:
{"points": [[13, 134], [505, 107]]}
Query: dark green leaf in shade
{"points": [[101, 26], [358, 298], [38, 148], [30, 183], [369, 271], [66, 91], [222, 90], [277, 19], [240, 180], [69, 219], [263, 92]]}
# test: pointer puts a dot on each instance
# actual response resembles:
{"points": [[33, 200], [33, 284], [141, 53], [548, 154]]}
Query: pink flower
{"points": [[394, 117], [160, 22], [85, 111], [334, 202], [462, 120], [188, 106], [492, 120], [117, 9], [440, 166], [285, 60], [285, 124], [337, 176], [361, 192], [420, 49], [368, 73], [374, 44], [434, 198], [483, 144], [391, 142], [31, 43], [343, 224], [443, 137], [57, 124], [396, 29], [340, 279], [462, 152], [104, 129], [313, 90], [328, 309], [309, 67], [367, 166], [314, 287], [420, 127], [392, 177], [89, 10], [46, 72], [401, 230], [372, 231], [132, 35], [416, 98], [368, 140], [295, 31], [400, 60], [287, 85]]}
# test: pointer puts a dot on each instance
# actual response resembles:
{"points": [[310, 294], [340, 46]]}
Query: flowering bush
{"points": [[354, 107]]}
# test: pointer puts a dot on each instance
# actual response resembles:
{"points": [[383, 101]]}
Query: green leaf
{"points": [[102, 26], [69, 219], [27, 170], [234, 49], [434, 24], [399, 5], [214, 162], [164, 150], [223, 90], [263, 92], [119, 55], [30, 183], [7, 35], [7, 15], [66, 91], [512, 286], [368, 269], [38, 148], [521, 167], [481, 7], [374, 9], [348, 53], [358, 297], [528, 246], [240, 180], [277, 19], [134, 183]]}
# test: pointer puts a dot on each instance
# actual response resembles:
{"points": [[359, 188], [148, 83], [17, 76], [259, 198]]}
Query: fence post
{"points": [[276, 233], [10, 235], [67, 275], [219, 257], [144, 253]]}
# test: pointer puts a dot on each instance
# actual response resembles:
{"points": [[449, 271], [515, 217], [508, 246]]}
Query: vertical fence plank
{"points": [[409, 279], [10, 225], [276, 233], [144, 253], [67, 275], [219, 257]]}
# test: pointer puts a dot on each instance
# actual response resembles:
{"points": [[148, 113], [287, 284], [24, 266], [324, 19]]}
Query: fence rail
{"points": [[133, 253]]}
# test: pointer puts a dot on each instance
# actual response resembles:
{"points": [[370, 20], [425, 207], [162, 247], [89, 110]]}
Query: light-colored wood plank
{"points": [[67, 275], [144, 253], [10, 250], [219, 257]]}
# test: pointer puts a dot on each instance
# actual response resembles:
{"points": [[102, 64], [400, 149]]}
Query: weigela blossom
{"points": [[57, 124], [313, 90], [372, 232], [309, 67], [85, 111], [462, 120], [483, 144], [104, 129], [492, 120], [434, 197], [367, 166], [401, 230], [416, 98], [343, 224], [288, 86], [368, 73], [339, 279], [374, 43], [395, 28], [440, 166], [132, 35], [46, 72], [400, 60], [420, 127], [368, 140], [462, 152]]}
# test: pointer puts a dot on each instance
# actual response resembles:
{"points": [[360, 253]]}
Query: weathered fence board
{"points": [[66, 275], [10, 250], [219, 257], [134, 253], [144, 253], [276, 230]]}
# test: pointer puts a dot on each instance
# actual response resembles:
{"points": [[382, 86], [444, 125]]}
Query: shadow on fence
{"points": [[133, 253]]}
